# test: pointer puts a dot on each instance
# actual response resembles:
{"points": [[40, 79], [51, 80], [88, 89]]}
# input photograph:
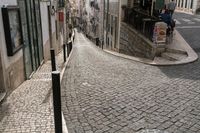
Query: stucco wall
{"points": [[45, 22], [45, 30], [2, 87], [133, 43], [12, 66], [7, 60], [56, 42]]}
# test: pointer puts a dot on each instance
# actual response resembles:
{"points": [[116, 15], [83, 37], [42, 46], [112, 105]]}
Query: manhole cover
{"points": [[152, 131]]}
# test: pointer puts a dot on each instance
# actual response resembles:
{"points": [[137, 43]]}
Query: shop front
{"points": [[21, 46]]}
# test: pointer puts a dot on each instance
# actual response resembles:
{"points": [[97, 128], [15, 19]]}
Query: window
{"points": [[61, 3]]}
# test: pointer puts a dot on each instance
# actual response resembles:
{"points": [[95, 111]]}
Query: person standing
{"points": [[171, 7]]}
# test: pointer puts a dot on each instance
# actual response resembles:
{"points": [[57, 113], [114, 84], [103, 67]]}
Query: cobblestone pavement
{"points": [[190, 32], [102, 93], [29, 107]]}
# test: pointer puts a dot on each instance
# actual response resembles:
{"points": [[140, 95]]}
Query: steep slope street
{"points": [[105, 93]]}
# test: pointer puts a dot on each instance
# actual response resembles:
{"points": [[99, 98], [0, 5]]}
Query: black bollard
{"points": [[57, 101], [70, 45], [64, 52], [68, 50], [53, 60], [97, 41]]}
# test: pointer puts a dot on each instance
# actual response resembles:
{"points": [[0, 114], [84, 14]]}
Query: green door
{"points": [[26, 42], [39, 30], [32, 34]]}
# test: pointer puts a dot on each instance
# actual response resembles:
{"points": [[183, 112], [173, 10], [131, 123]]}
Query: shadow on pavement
{"points": [[187, 71]]}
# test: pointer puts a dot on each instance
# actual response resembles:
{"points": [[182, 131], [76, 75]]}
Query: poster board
{"points": [[12, 29], [160, 33]]}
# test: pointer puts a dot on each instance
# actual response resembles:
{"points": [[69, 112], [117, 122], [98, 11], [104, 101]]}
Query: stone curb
{"points": [[192, 55], [64, 125]]}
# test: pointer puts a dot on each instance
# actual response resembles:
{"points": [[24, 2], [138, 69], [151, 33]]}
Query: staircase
{"points": [[174, 54]]}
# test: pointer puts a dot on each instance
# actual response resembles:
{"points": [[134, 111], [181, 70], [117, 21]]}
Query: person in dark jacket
{"points": [[166, 17]]}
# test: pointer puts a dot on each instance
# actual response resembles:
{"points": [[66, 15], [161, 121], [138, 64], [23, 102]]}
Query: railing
{"points": [[140, 21]]}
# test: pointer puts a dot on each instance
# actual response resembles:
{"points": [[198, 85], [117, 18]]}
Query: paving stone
{"points": [[108, 90]]}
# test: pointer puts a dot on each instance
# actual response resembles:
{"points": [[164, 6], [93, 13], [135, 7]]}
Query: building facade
{"points": [[40, 27], [191, 6], [124, 29], [112, 11]]}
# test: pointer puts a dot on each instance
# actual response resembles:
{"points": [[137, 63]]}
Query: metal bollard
{"points": [[57, 101], [68, 50], [64, 52], [53, 60], [70, 44]]}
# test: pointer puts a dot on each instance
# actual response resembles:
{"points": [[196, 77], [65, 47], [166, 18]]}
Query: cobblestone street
{"points": [[104, 93]]}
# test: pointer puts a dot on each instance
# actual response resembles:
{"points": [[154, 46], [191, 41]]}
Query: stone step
{"points": [[2, 96], [176, 51], [161, 60], [173, 56]]}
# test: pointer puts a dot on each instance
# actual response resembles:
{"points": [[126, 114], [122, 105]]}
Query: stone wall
{"points": [[134, 44]]}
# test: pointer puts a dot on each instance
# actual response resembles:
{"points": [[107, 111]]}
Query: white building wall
{"points": [[11, 67], [45, 22], [7, 61], [187, 5]]}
